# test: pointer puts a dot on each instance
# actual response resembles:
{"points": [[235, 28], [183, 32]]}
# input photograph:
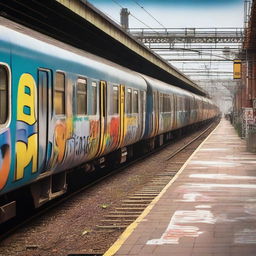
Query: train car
{"points": [[61, 107], [169, 108]]}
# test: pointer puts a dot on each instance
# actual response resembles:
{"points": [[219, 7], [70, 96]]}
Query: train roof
{"points": [[165, 88], [60, 56]]}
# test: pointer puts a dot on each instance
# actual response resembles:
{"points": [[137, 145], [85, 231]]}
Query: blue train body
{"points": [[62, 107]]}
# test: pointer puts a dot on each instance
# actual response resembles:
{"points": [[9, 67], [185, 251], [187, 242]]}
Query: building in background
{"points": [[244, 106]]}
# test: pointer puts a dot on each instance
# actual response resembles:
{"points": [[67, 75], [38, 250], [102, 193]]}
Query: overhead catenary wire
{"points": [[116, 2], [142, 22], [144, 9], [113, 19], [212, 56]]}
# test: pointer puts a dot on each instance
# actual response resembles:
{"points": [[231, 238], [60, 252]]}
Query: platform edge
{"points": [[129, 230]]}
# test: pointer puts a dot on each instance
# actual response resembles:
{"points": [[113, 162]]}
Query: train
{"points": [[61, 107]]}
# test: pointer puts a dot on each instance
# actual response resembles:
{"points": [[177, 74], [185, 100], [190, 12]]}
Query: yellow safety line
{"points": [[128, 231]]}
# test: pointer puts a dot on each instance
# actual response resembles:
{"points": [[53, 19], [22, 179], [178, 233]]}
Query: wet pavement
{"points": [[208, 209]]}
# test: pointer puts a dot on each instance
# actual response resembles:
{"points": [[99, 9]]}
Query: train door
{"points": [[121, 113], [156, 112], [172, 111], [103, 115], [142, 103], [175, 110], [44, 105]]}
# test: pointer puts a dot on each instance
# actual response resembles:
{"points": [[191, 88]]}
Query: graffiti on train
{"points": [[75, 141], [131, 129], [165, 122], [111, 136], [26, 127], [5, 157]]}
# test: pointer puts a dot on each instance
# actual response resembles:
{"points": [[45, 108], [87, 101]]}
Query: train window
{"points": [[179, 103], [115, 99], [81, 94], [161, 102], [173, 103], [129, 101], [167, 105], [4, 103], [186, 104], [94, 98], [164, 103], [142, 101], [155, 102], [182, 104], [135, 102], [59, 94]]}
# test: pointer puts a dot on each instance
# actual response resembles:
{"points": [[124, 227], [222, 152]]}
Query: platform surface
{"points": [[209, 209]]}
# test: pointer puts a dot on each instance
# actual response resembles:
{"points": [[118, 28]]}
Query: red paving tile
{"points": [[210, 209]]}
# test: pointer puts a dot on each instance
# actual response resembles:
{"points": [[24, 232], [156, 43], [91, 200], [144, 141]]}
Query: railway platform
{"points": [[208, 208]]}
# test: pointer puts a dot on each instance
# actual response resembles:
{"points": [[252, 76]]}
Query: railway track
{"points": [[132, 206]]}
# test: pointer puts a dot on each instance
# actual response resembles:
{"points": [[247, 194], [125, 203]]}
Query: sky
{"points": [[176, 13], [181, 14]]}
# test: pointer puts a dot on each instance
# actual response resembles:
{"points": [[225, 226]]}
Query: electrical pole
{"points": [[124, 16]]}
